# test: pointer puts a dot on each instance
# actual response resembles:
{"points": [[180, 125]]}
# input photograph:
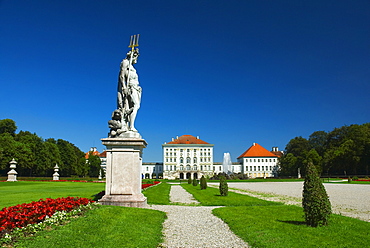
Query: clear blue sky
{"points": [[233, 72]]}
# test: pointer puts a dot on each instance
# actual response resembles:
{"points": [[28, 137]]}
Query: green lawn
{"points": [[283, 226], [211, 197], [107, 226], [13, 193], [159, 194], [269, 224]]}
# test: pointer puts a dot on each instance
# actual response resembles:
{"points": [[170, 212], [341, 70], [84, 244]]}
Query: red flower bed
{"points": [[146, 185], [30, 213]]}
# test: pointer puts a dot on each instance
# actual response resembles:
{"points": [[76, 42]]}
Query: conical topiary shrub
{"points": [[189, 180], [195, 182], [224, 189], [203, 183], [315, 202]]}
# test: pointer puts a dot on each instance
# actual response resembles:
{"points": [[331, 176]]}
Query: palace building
{"points": [[188, 157], [259, 162]]}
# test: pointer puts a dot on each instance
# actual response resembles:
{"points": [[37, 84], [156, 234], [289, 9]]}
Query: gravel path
{"points": [[179, 195], [194, 226], [351, 200]]}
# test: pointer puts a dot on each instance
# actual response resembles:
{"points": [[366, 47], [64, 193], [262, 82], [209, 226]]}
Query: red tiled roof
{"points": [[257, 150], [187, 139], [93, 153], [103, 154], [278, 153]]}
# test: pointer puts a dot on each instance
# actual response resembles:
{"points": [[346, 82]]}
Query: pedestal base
{"points": [[124, 200], [123, 173]]}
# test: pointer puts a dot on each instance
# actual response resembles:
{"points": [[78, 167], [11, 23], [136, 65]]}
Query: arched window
{"points": [[188, 160], [195, 160], [181, 160], [187, 167]]}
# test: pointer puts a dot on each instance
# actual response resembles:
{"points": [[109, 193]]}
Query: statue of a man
{"points": [[129, 91]]}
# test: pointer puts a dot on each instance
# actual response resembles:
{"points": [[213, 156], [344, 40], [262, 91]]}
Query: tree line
{"points": [[37, 157], [343, 151]]}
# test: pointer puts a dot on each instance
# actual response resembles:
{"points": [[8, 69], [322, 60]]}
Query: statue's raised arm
{"points": [[128, 93]]}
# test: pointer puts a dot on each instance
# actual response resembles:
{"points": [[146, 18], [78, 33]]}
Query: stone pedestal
{"points": [[123, 173], [56, 174], [12, 174]]}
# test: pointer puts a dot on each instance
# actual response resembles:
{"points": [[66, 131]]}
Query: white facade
{"points": [[259, 166], [152, 170], [188, 156]]}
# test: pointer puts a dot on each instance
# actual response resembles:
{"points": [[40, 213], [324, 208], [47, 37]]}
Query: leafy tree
{"points": [[9, 149], [314, 158], [298, 148], [224, 189], [94, 164], [315, 202], [8, 126], [288, 165], [318, 141], [203, 183], [189, 180]]}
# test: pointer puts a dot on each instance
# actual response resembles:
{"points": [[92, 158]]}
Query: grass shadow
{"points": [[294, 222]]}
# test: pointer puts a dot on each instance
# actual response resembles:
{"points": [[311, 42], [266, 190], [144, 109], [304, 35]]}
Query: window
{"points": [[180, 150], [263, 167], [171, 167], [188, 160], [195, 160], [262, 160], [188, 150], [174, 167], [220, 168], [195, 167], [188, 167], [246, 160], [170, 159], [181, 160], [201, 159], [147, 168], [174, 160], [254, 160], [259, 168], [254, 168], [166, 159], [258, 160]]}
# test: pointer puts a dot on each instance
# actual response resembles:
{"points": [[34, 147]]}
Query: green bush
{"points": [[189, 180], [355, 178], [195, 182], [315, 202], [223, 186], [203, 183]]}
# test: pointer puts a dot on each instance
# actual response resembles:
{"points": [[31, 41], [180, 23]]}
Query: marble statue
{"points": [[129, 94]]}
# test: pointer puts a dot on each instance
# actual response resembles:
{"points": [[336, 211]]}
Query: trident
{"points": [[134, 42]]}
